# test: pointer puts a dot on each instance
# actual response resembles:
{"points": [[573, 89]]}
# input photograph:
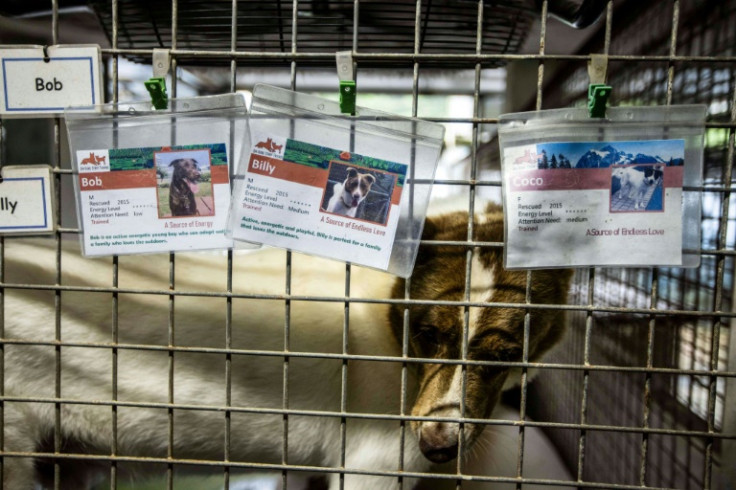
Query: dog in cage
{"points": [[184, 185], [196, 371]]}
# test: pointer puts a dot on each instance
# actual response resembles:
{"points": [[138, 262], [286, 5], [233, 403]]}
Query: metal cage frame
{"points": [[593, 307]]}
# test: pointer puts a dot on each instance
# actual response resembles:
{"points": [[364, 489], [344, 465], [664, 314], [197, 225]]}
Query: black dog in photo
{"points": [[183, 187]]}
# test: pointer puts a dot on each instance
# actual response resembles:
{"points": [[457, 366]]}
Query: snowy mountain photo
{"points": [[607, 154]]}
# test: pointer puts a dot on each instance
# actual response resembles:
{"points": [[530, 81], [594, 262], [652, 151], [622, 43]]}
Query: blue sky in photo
{"points": [[574, 150]]}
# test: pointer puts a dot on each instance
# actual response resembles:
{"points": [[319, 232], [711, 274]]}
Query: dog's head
{"points": [[492, 333], [653, 174], [356, 187], [185, 168]]}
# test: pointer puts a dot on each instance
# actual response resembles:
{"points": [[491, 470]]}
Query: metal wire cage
{"points": [[323, 26], [639, 394], [669, 379]]}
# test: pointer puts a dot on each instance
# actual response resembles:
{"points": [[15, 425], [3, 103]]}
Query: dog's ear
{"points": [[352, 172], [175, 162], [371, 179]]}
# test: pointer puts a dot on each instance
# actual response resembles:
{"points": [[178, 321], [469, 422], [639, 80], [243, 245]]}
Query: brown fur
{"points": [[437, 331], [355, 179], [316, 384], [181, 198]]}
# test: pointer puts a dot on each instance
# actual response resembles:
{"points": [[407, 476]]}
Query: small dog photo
{"points": [[358, 192], [184, 183], [637, 188]]}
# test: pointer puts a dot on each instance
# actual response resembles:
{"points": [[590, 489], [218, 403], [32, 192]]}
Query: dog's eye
{"points": [[495, 345], [427, 331], [427, 338]]}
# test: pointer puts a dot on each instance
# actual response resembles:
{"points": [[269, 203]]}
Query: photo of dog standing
{"points": [[637, 188], [184, 184]]}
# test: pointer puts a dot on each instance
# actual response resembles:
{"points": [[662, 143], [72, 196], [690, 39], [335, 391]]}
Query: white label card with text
{"points": [[154, 199], [319, 200], [26, 200], [574, 204], [36, 83]]}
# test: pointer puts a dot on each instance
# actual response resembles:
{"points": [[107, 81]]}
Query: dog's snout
{"points": [[438, 441]]}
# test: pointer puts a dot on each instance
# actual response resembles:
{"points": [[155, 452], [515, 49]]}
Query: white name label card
{"points": [[37, 81], [26, 200]]}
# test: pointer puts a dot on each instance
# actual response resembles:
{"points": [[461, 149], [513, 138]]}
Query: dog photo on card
{"points": [[637, 168], [184, 183], [153, 199], [637, 188], [594, 198], [319, 200], [358, 192]]}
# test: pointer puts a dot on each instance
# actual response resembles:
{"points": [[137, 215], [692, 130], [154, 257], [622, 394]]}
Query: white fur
{"points": [[495, 454], [454, 393], [482, 281], [337, 204], [315, 384], [342, 200], [199, 379], [633, 185]]}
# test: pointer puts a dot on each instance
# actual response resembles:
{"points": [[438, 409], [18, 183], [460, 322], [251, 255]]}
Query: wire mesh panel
{"points": [[682, 401], [633, 397], [319, 27]]}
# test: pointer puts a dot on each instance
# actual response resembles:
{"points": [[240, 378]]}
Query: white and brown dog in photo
{"points": [[148, 380], [347, 195]]}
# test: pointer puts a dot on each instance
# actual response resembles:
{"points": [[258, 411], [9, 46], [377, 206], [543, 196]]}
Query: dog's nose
{"points": [[438, 441]]}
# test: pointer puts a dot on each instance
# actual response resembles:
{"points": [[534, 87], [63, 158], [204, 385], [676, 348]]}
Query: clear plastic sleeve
{"points": [[619, 191], [353, 188], [156, 180]]}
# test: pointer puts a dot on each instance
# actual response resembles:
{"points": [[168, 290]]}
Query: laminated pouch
{"points": [[354, 189], [620, 191], [156, 180]]}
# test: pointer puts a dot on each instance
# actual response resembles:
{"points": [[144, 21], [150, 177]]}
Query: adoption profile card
{"points": [[594, 203], [318, 200], [153, 199]]}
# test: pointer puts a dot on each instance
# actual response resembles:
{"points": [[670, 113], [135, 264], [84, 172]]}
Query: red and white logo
{"points": [[270, 147], [93, 161], [521, 157]]}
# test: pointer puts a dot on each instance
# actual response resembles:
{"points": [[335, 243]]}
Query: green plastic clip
{"points": [[347, 97], [598, 94], [157, 88]]}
